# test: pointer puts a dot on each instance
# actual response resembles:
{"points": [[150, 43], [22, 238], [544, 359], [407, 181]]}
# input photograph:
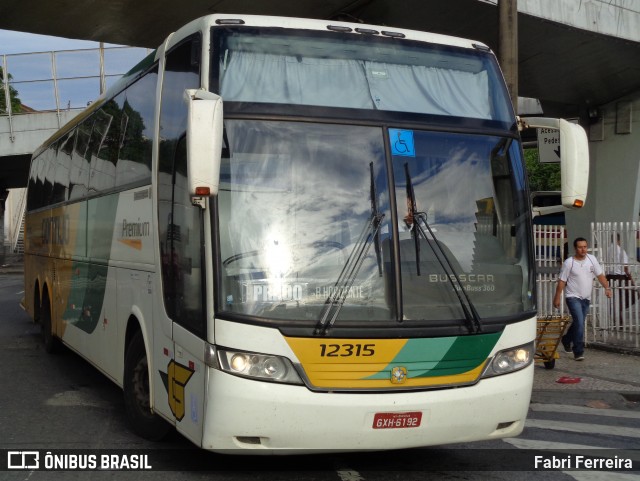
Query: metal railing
{"points": [[60, 80], [549, 244], [617, 320], [19, 200]]}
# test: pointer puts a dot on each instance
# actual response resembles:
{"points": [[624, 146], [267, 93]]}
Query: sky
{"points": [[20, 42]]}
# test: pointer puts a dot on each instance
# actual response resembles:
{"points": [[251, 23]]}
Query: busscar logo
{"points": [[23, 460]]}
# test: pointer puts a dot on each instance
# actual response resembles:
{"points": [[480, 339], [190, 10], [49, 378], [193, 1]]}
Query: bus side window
{"points": [[33, 202], [79, 175], [186, 249], [60, 175], [49, 172], [133, 144], [179, 228], [102, 176]]}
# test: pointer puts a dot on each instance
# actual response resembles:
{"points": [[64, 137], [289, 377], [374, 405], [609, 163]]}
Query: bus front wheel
{"points": [[136, 393]]}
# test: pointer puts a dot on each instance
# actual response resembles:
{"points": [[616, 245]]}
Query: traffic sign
{"points": [[548, 146]]}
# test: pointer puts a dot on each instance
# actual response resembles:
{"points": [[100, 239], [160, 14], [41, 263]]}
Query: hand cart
{"points": [[550, 330]]}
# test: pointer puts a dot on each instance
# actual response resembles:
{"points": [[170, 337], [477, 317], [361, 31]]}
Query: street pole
{"points": [[508, 45]]}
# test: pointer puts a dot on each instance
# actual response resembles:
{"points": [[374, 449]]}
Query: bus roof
{"points": [[208, 21]]}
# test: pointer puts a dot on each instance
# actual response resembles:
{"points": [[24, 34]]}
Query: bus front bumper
{"points": [[253, 417]]}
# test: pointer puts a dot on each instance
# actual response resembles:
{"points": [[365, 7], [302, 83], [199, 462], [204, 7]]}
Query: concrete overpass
{"points": [[20, 138], [573, 54], [581, 58]]}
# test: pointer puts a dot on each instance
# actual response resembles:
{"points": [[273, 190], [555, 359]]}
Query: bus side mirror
{"points": [[204, 142], [574, 164], [574, 159]]}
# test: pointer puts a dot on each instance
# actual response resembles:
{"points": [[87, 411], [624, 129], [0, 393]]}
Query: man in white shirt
{"points": [[577, 275]]}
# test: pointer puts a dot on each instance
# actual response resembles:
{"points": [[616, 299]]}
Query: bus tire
{"points": [[50, 341], [143, 421]]}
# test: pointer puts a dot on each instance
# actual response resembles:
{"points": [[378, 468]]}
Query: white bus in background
{"points": [[338, 258]]}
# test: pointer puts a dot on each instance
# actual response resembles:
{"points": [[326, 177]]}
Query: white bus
{"points": [[338, 258]]}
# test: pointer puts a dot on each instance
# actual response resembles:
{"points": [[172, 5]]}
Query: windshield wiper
{"points": [[370, 234], [471, 314], [376, 215]]}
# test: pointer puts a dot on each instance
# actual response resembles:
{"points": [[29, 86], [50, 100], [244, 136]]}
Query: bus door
{"points": [[181, 247], [184, 299]]}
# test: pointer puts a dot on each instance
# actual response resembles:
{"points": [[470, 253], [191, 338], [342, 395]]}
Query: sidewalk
{"points": [[614, 376]]}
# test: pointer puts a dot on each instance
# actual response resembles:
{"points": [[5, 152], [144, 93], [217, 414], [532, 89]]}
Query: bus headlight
{"points": [[510, 360], [263, 367]]}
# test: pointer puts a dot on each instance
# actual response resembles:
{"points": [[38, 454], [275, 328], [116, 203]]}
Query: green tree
{"points": [[16, 104], [541, 176]]}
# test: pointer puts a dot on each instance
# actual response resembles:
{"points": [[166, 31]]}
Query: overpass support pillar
{"points": [[508, 45]]}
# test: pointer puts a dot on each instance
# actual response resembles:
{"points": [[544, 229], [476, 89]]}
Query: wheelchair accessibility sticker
{"points": [[402, 142]]}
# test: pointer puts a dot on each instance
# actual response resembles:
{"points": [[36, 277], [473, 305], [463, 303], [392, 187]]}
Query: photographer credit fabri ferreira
{"points": [[583, 462]]}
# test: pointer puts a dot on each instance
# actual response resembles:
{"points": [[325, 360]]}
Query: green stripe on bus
{"points": [[443, 356]]}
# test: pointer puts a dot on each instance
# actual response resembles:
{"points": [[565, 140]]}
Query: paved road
{"points": [[61, 402]]}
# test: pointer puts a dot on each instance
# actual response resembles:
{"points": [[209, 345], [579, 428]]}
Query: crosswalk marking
{"points": [[568, 409], [583, 428], [347, 474]]}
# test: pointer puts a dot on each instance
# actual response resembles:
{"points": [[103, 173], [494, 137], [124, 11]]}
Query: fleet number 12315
{"points": [[347, 350]]}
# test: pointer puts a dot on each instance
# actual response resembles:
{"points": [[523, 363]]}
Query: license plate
{"points": [[397, 420]]}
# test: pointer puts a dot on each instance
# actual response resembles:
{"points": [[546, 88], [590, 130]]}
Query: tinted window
{"points": [[178, 220], [134, 128]]}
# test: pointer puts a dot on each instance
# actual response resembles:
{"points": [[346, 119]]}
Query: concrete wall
{"points": [[619, 18], [23, 133], [614, 179]]}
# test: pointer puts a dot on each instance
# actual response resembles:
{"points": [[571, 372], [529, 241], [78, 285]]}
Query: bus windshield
{"points": [[298, 200], [332, 69]]}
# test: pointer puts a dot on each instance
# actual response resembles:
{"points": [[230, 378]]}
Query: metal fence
{"points": [[616, 321], [549, 243]]}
